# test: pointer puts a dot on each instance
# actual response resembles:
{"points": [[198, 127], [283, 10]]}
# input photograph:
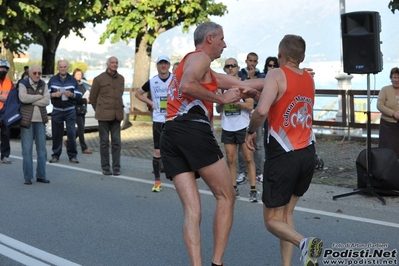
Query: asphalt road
{"points": [[85, 218]]}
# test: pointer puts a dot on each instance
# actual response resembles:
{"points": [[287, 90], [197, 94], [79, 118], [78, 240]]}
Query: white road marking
{"points": [[18, 256], [207, 192], [19, 251], [11, 245], [347, 217]]}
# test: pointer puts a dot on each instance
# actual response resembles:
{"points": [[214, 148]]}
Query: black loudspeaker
{"points": [[384, 169], [361, 42]]}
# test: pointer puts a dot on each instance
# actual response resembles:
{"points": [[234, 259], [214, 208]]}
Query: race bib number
{"points": [[231, 109], [162, 104]]}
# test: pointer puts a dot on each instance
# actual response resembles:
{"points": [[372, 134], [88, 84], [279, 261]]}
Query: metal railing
{"points": [[346, 109]]}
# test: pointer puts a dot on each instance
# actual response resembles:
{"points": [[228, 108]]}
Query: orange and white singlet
{"points": [[183, 107], [291, 117]]}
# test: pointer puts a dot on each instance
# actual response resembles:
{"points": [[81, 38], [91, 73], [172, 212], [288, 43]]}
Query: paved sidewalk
{"points": [[339, 155]]}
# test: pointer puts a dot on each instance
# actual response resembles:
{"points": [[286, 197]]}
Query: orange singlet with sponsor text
{"points": [[183, 107], [290, 118]]}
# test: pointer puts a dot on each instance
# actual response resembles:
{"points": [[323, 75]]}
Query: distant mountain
{"points": [[250, 25]]}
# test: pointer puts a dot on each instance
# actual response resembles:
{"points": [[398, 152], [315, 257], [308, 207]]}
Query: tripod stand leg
{"points": [[359, 191], [377, 196], [356, 191]]}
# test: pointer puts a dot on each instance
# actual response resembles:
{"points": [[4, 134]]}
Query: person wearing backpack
{"points": [[5, 87], [34, 95]]}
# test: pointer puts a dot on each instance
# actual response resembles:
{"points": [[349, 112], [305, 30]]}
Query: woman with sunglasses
{"points": [[271, 62]]}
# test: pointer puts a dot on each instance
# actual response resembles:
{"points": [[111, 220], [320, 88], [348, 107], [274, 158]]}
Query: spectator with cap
{"points": [[157, 86]]}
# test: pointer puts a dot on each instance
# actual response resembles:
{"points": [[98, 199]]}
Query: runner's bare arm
{"points": [[197, 70]]}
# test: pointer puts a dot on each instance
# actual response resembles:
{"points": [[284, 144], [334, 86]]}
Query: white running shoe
{"points": [[241, 178], [259, 178]]}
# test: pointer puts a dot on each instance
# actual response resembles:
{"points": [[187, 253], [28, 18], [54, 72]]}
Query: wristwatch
{"points": [[250, 132]]}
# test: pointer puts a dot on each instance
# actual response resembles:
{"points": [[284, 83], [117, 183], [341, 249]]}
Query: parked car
{"points": [[90, 123]]}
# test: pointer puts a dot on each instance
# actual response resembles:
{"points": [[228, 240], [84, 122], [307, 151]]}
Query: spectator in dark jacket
{"points": [[81, 110], [64, 92]]}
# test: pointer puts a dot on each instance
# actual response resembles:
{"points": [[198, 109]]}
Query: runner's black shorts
{"points": [[156, 133], [187, 146], [286, 175], [234, 137]]}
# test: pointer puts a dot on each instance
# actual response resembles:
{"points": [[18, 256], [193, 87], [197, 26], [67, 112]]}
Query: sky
{"points": [[259, 25]]}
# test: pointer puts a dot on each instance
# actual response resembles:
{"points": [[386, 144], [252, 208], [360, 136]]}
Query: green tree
{"points": [[393, 5], [14, 21], [46, 22], [144, 21], [58, 18], [12, 37]]}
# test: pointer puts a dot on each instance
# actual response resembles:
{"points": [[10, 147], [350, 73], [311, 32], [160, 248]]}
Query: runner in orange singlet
{"points": [[287, 100], [188, 147]]}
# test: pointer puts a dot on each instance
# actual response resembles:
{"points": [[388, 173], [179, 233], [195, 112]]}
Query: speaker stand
{"points": [[368, 189]]}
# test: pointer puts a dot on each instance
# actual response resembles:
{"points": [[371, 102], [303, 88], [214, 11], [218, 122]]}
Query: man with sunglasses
{"points": [[34, 95], [235, 120]]}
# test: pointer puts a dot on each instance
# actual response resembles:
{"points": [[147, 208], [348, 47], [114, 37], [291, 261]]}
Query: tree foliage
{"points": [[144, 21], [393, 5], [13, 24], [46, 23]]}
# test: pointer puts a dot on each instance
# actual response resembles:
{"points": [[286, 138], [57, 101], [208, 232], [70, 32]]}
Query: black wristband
{"points": [[250, 132]]}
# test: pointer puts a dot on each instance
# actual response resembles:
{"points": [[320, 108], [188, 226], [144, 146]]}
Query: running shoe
{"points": [[310, 250], [259, 178], [241, 178], [157, 186], [237, 193], [5, 160], [253, 196]]}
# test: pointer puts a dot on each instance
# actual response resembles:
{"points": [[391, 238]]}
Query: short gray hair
{"points": [[35, 67], [204, 29], [109, 58]]}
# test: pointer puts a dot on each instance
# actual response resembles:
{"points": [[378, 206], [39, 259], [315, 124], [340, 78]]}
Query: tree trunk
{"points": [[11, 71], [142, 64], [50, 45]]}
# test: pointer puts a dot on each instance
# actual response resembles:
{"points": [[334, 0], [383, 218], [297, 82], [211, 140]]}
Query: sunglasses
{"points": [[37, 73], [230, 66], [273, 66]]}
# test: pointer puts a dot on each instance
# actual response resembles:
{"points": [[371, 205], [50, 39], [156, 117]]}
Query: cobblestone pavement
{"points": [[339, 155]]}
